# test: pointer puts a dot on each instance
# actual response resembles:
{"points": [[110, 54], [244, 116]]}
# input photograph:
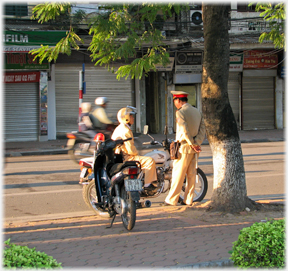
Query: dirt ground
{"points": [[266, 212]]}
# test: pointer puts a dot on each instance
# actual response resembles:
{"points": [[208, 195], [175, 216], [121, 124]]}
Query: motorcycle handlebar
{"points": [[153, 142]]}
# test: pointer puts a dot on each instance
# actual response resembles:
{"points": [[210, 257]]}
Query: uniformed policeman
{"points": [[190, 132], [123, 130]]}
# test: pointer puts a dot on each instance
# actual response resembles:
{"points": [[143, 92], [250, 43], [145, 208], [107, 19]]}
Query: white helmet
{"points": [[124, 113], [101, 100], [86, 107]]}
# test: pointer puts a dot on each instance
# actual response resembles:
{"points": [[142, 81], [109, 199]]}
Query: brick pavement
{"points": [[161, 238]]}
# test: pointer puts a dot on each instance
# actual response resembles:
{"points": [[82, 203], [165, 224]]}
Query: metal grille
{"points": [[99, 82], [258, 103], [21, 112]]}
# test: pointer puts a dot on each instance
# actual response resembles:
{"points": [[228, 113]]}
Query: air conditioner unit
{"points": [[196, 17]]}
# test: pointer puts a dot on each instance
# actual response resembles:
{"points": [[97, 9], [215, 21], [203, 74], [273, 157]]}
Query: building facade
{"points": [[42, 100]]}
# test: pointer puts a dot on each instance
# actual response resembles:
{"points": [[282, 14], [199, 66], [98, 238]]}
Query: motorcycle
{"points": [[115, 183], [164, 167], [81, 144]]}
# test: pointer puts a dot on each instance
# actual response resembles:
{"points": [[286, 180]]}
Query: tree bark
{"points": [[229, 185]]}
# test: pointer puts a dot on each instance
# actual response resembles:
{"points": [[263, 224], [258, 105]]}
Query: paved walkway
{"points": [[162, 238]]}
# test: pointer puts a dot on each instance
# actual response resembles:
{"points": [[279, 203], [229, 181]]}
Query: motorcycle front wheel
{"points": [[129, 217], [90, 197], [79, 151], [200, 187]]}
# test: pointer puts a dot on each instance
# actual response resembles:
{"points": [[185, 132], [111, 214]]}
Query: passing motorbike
{"points": [[81, 144], [117, 188], [164, 166]]}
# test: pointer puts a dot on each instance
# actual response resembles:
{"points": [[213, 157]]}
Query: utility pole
{"points": [[82, 88]]}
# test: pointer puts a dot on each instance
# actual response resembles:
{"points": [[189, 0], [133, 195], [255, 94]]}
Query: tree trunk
{"points": [[229, 186]]}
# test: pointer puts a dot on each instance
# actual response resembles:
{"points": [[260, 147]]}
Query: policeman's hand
{"points": [[196, 148]]}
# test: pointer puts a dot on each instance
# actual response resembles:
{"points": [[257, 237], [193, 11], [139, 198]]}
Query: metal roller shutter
{"points": [[258, 103], [233, 94], [21, 112], [99, 82]]}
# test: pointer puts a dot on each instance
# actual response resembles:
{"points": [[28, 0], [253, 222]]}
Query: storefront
{"points": [[258, 90], [25, 111], [26, 85]]}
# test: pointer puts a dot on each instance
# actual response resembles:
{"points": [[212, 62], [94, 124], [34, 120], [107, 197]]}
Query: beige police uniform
{"points": [[190, 129], [130, 153]]}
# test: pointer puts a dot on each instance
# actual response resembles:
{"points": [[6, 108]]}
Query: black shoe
{"points": [[154, 183], [150, 187], [183, 203]]}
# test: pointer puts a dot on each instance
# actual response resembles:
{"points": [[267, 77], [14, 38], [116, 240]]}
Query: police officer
{"points": [[190, 132], [123, 130]]}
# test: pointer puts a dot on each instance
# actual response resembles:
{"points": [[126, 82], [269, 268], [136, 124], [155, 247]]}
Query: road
{"points": [[46, 187]]}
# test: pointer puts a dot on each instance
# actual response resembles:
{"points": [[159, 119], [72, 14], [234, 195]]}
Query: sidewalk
{"points": [[163, 237], [57, 146]]}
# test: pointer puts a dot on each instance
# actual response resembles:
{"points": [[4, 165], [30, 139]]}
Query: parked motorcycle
{"points": [[164, 167], [115, 183]]}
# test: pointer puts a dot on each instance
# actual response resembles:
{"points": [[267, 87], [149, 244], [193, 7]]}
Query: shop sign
{"points": [[260, 59], [236, 63], [32, 38], [169, 66], [187, 61], [21, 77], [282, 74], [23, 61]]}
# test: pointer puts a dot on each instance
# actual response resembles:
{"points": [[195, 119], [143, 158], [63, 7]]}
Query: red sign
{"points": [[21, 77], [260, 59]]}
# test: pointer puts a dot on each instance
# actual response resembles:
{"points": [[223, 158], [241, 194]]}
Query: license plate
{"points": [[133, 185], [83, 172], [84, 146]]}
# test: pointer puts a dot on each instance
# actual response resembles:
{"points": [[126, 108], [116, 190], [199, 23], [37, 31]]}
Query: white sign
{"points": [[189, 61], [23, 49], [169, 66]]}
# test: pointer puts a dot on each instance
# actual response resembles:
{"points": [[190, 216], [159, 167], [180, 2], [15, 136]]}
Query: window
{"points": [[16, 10], [243, 7]]}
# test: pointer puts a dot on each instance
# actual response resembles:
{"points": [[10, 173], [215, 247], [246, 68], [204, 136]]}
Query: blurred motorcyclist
{"points": [[123, 130], [86, 124], [100, 120]]}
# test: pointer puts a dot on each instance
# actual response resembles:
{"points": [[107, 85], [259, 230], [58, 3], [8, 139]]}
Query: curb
{"points": [[221, 263], [63, 151], [38, 152]]}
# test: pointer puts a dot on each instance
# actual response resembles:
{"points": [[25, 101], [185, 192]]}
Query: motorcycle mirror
{"points": [[145, 130]]}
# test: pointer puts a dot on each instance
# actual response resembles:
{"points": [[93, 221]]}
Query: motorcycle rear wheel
{"points": [[90, 197], [200, 187], [129, 217]]}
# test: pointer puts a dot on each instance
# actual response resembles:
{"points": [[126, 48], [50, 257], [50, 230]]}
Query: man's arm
{"points": [[201, 134]]}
